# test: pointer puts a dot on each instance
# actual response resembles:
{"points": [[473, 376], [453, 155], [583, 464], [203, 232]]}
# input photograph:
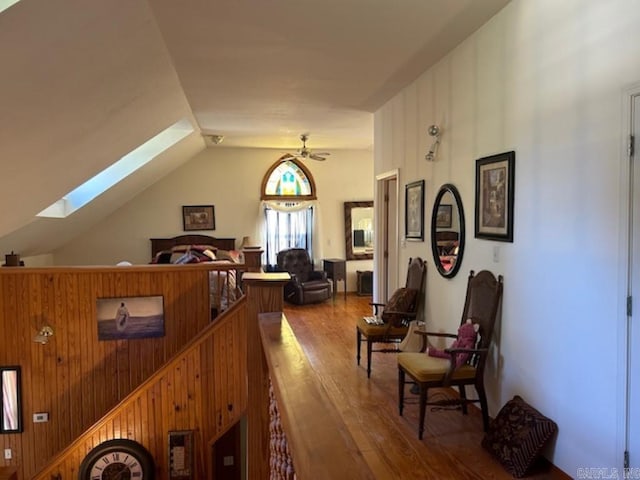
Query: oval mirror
{"points": [[447, 231]]}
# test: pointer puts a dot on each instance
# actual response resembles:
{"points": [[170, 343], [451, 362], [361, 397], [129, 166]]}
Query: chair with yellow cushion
{"points": [[396, 314], [463, 366]]}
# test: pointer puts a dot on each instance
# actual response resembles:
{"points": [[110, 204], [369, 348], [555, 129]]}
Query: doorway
{"points": [[227, 454], [386, 254]]}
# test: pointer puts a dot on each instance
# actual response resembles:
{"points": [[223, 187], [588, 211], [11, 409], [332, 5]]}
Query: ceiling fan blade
{"points": [[288, 156], [315, 156]]}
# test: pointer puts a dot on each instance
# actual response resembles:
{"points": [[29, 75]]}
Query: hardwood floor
{"points": [[451, 445]]}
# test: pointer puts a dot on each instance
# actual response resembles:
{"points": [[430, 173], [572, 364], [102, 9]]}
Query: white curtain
{"points": [[292, 227]]}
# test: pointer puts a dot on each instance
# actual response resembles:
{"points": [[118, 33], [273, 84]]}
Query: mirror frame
{"points": [[18, 412], [348, 230], [444, 189]]}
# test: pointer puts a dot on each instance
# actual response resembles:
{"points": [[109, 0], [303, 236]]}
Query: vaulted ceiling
{"points": [[84, 83]]}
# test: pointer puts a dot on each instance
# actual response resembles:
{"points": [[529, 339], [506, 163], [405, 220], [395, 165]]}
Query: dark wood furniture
{"points": [[336, 269], [484, 293], [392, 332], [365, 282], [160, 244]]}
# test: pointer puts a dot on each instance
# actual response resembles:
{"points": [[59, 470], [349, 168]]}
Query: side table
{"points": [[365, 282], [336, 269]]}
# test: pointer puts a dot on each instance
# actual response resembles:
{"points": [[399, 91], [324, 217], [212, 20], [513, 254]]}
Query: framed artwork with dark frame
{"points": [[414, 211], [443, 216], [495, 182], [198, 217], [10, 400]]}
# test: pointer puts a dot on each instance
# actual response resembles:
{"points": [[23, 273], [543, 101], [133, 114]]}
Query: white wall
{"points": [[230, 179], [546, 79]]}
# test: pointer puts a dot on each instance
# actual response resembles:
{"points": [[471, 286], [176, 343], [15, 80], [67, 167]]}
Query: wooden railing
{"points": [[223, 374], [199, 390], [315, 434]]}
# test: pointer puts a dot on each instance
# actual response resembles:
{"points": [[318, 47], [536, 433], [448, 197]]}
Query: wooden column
{"points": [[253, 259], [265, 293]]}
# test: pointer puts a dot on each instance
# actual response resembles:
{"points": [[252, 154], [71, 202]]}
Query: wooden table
{"points": [[336, 269]]}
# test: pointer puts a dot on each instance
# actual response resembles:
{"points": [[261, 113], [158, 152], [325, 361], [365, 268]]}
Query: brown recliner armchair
{"points": [[306, 285]]}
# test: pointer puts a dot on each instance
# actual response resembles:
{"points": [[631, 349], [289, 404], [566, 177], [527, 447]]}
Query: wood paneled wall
{"points": [[201, 389], [76, 378]]}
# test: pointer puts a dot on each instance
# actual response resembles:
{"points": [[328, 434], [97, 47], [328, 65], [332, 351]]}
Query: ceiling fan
{"points": [[304, 152]]}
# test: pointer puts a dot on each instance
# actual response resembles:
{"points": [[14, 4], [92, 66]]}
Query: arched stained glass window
{"points": [[286, 179], [288, 220]]}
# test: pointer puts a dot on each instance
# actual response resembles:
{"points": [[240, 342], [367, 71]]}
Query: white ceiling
{"points": [[84, 83], [261, 72]]}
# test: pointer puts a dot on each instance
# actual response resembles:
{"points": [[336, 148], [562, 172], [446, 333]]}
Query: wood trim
{"points": [[75, 377], [190, 392], [265, 293], [319, 440]]}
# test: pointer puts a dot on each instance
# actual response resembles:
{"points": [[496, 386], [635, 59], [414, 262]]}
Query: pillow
{"points": [[402, 300], [188, 257], [234, 256], [467, 335], [517, 434]]}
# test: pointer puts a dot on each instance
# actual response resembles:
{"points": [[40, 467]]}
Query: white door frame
{"points": [[386, 232], [625, 244]]}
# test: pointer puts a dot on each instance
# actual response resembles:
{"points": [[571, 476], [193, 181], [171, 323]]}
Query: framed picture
{"points": [[198, 217], [414, 211], [443, 216], [126, 318], [495, 181]]}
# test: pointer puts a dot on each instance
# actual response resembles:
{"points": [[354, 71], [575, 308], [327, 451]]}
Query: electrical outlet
{"points": [[7, 454], [496, 254], [40, 417]]}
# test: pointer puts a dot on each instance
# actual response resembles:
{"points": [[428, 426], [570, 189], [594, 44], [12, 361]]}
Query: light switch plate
{"points": [[7, 454], [40, 417]]}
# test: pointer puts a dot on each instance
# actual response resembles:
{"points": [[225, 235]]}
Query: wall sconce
{"points": [[434, 131], [43, 335]]}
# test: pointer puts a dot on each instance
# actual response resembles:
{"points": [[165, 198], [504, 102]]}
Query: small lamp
{"points": [[43, 335], [246, 243]]}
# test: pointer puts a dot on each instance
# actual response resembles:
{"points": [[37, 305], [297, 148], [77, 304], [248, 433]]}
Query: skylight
{"points": [[4, 4], [113, 174]]}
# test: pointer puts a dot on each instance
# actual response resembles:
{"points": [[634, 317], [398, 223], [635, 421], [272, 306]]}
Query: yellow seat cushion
{"points": [[423, 368], [372, 331]]}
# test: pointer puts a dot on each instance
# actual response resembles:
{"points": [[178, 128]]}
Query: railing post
{"points": [[253, 259], [264, 294]]}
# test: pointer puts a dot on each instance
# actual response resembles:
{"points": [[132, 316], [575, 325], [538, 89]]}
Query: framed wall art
{"points": [[443, 216], [414, 211], [495, 181], [198, 217], [126, 318]]}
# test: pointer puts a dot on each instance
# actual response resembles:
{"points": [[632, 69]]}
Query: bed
{"points": [[188, 249], [163, 244]]}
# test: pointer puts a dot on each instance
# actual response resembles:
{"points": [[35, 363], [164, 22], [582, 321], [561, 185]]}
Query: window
{"points": [[288, 190]]}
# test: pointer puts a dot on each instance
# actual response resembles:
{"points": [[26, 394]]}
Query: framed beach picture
{"points": [[414, 211], [495, 181], [126, 318]]}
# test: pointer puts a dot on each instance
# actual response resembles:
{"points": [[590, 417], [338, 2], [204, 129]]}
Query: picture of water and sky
{"points": [[130, 317]]}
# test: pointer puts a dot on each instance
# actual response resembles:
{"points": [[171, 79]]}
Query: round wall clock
{"points": [[120, 459]]}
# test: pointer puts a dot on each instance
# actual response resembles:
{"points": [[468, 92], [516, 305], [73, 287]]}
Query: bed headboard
{"points": [[159, 244]]}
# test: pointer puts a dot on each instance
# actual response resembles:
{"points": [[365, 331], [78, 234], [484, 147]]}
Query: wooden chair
{"points": [[484, 293], [396, 314]]}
